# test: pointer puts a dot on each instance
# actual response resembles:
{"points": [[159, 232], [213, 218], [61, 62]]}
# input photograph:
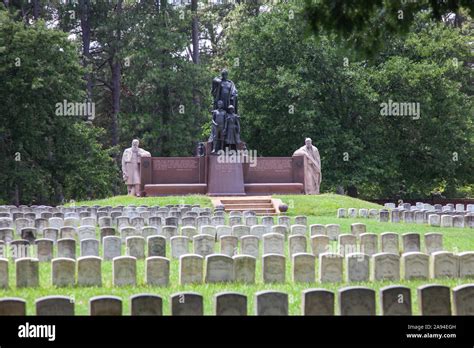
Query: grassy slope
{"points": [[319, 209], [204, 201], [322, 205]]}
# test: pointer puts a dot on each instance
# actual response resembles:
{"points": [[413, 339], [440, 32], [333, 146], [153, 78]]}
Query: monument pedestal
{"points": [[225, 179], [162, 176]]}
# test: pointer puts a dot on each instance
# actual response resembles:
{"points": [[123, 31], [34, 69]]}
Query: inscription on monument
{"points": [[168, 170], [181, 164], [270, 169]]}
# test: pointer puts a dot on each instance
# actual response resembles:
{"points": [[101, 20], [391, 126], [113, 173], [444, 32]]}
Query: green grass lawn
{"points": [[322, 205], [319, 209], [204, 201]]}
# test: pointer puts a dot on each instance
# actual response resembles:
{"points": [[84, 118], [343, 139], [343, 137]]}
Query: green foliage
{"points": [[365, 24], [45, 157], [290, 83], [293, 85], [96, 173], [167, 96]]}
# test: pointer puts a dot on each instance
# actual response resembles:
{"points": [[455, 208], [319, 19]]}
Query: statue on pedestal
{"points": [[312, 170], [131, 160], [218, 123], [224, 89], [232, 129]]}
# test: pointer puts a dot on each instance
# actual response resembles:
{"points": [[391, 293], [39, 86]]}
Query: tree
{"points": [[365, 24], [42, 150], [292, 85], [101, 27], [164, 89], [195, 31], [147, 67]]}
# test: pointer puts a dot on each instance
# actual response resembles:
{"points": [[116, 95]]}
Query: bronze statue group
{"points": [[225, 120], [225, 138]]}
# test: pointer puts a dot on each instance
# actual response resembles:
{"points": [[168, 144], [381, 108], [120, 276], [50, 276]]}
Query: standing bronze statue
{"points": [[218, 123], [224, 89], [232, 129]]}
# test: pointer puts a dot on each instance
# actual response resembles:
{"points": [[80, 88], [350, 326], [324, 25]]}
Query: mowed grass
{"points": [[322, 205], [202, 200], [319, 209]]}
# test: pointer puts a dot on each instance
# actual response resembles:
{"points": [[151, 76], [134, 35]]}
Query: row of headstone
{"points": [[389, 266], [450, 207], [169, 229], [444, 220], [115, 218], [368, 243], [389, 240], [204, 243], [431, 217], [354, 213], [98, 212], [63, 272], [71, 209], [216, 268], [132, 219], [133, 216], [394, 300], [216, 231], [230, 245], [155, 245], [135, 240], [86, 271], [242, 268]]}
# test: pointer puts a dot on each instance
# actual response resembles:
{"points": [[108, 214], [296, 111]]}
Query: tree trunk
{"points": [[17, 195], [195, 31], [36, 9], [116, 81], [196, 58], [86, 41], [116, 71], [161, 4], [352, 191]]}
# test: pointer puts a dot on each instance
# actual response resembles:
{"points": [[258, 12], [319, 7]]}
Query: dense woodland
{"points": [[147, 66]]}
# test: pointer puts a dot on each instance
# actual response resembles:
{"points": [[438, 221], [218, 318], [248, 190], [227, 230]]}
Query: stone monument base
{"points": [[208, 174], [225, 179], [175, 189]]}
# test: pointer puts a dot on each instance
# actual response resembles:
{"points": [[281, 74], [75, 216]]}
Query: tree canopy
{"points": [[147, 67], [365, 24]]}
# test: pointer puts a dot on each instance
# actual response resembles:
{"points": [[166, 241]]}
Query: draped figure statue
{"points": [[312, 170], [131, 160]]}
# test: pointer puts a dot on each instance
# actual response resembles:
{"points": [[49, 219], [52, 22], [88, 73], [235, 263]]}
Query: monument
{"points": [[223, 166], [217, 130], [232, 129], [131, 160], [312, 170], [224, 89]]}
